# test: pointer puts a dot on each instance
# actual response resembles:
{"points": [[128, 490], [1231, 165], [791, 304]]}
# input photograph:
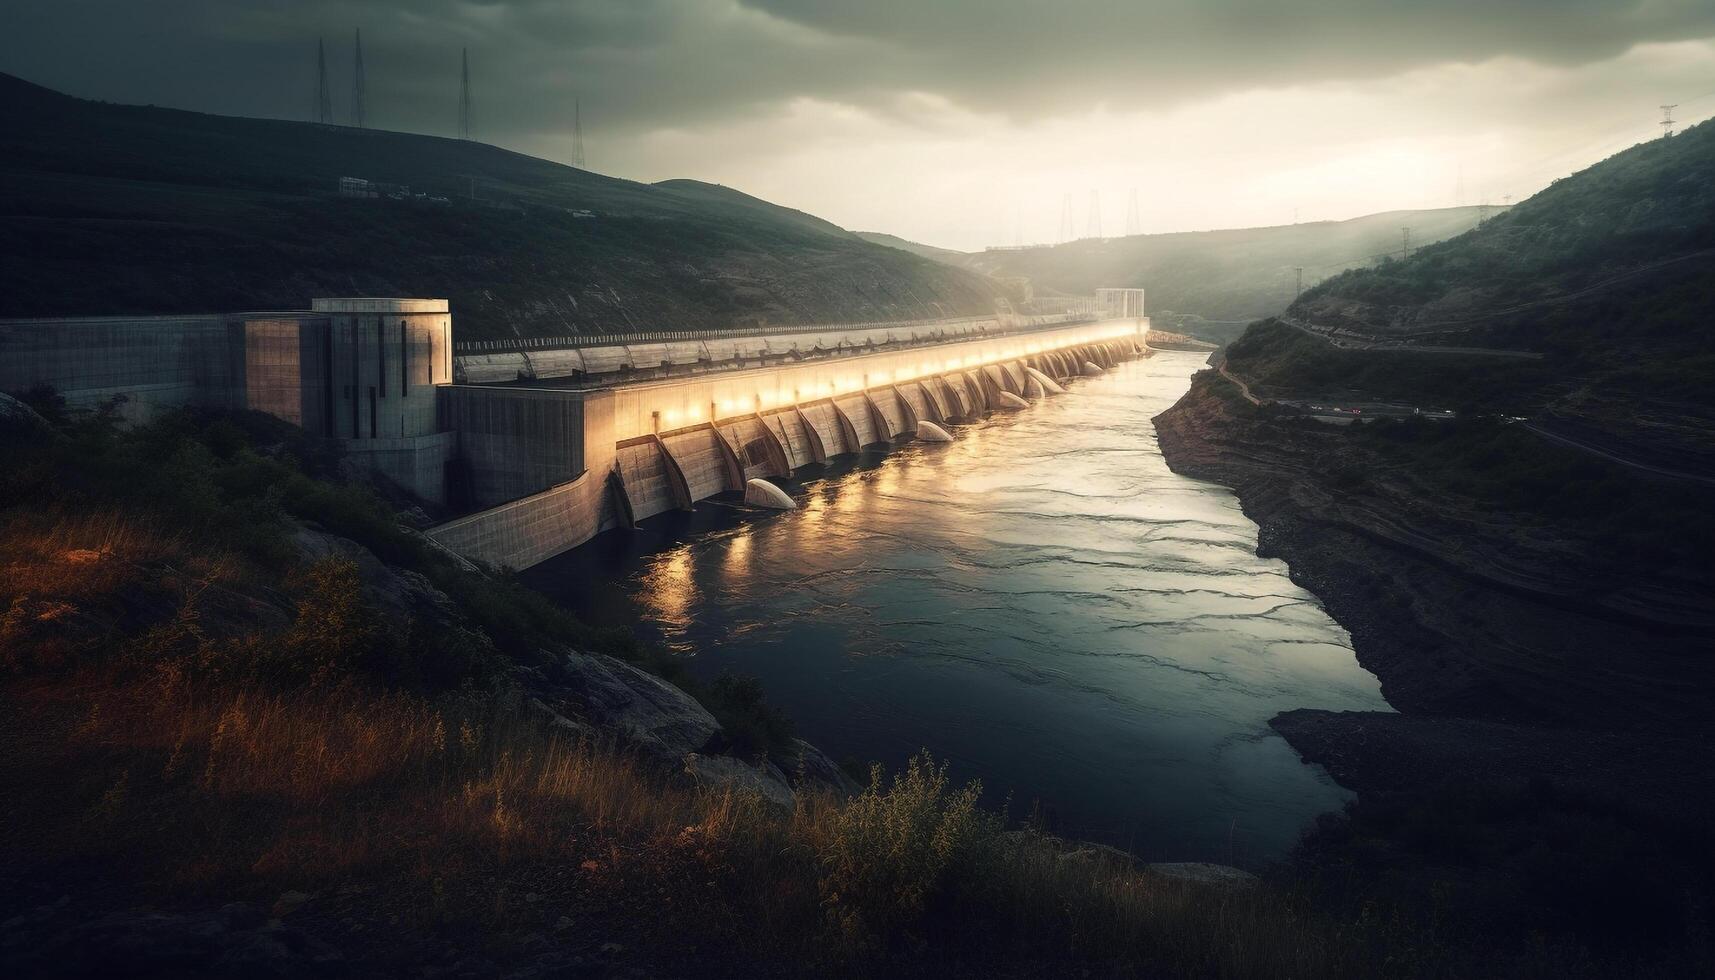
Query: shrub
{"points": [[892, 855], [752, 726]]}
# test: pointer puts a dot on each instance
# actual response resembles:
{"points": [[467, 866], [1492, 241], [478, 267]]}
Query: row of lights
{"points": [[767, 399]]}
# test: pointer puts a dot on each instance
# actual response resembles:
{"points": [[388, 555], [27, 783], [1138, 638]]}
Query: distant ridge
{"points": [[1230, 276], [128, 209]]}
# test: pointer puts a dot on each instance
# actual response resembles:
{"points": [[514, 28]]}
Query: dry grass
{"points": [[75, 555], [245, 790]]}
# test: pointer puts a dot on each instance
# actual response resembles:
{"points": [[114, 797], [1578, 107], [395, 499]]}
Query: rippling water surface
{"points": [[1042, 603]]}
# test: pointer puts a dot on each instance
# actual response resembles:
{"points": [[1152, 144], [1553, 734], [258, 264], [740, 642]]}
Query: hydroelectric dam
{"points": [[539, 445]]}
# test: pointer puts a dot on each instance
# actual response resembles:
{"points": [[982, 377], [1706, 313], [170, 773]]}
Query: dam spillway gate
{"points": [[631, 451]]}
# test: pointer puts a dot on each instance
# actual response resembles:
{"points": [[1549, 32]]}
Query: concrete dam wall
{"points": [[657, 446], [631, 430]]}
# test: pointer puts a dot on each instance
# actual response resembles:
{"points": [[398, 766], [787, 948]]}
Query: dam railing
{"points": [[523, 344]]}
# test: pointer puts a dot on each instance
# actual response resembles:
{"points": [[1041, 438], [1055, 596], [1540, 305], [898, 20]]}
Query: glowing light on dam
{"points": [[653, 446]]}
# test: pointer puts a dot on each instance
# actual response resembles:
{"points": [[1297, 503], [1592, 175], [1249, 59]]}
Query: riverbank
{"points": [[1549, 770], [1042, 601], [251, 724], [1461, 608]]}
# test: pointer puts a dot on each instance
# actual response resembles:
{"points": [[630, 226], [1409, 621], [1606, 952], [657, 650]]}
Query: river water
{"points": [[1041, 603]]}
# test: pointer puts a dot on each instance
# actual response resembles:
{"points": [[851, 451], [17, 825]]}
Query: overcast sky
{"points": [[961, 123]]}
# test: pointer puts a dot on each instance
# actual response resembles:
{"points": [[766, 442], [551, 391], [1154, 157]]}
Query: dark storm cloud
{"points": [[677, 63]]}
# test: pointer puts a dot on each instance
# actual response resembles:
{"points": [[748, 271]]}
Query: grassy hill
{"points": [[947, 255], [1607, 273], [1208, 283], [111, 208], [723, 197]]}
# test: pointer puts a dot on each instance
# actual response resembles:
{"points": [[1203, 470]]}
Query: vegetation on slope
{"points": [[1647, 208], [197, 714], [1606, 274], [1532, 594], [129, 209]]}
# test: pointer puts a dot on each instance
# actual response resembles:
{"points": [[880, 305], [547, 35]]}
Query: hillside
{"points": [[947, 255], [1572, 337], [1235, 275], [1606, 274], [725, 198], [110, 208], [1530, 580]]}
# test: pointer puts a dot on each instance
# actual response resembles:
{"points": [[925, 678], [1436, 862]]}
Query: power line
{"points": [[1093, 227], [357, 85], [324, 98], [577, 135], [464, 93]]}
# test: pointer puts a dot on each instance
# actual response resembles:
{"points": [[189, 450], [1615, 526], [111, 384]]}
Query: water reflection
{"points": [[1042, 602]]}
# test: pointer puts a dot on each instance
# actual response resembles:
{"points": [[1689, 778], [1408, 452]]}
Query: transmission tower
{"points": [[1404, 244], [357, 85], [1093, 227], [1298, 290], [464, 94], [577, 135], [324, 98], [1667, 119], [1483, 212], [1066, 228], [1133, 216]]}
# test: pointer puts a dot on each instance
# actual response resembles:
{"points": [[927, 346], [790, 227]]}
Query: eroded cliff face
{"points": [[1458, 609]]}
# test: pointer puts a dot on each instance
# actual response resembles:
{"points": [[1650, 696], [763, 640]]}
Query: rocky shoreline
{"points": [[1465, 620]]}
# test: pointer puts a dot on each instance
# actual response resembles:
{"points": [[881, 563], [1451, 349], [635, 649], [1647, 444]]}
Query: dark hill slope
{"points": [[722, 197], [1608, 273], [1652, 206], [947, 255], [1234, 275], [109, 208], [1544, 557]]}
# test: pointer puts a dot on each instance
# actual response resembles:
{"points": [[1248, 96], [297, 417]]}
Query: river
{"points": [[1042, 603]]}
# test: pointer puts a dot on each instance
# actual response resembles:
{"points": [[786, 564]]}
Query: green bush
{"points": [[751, 725], [898, 854]]}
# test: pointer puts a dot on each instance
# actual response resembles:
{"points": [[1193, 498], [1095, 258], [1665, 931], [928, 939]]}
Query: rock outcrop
{"points": [[1458, 611]]}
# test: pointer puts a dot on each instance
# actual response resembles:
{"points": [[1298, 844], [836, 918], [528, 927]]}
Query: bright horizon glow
{"points": [[902, 118]]}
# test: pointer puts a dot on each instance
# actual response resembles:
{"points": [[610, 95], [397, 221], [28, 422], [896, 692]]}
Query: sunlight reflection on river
{"points": [[1042, 603]]}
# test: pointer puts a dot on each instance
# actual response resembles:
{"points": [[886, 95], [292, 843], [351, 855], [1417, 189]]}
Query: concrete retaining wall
{"points": [[515, 442]]}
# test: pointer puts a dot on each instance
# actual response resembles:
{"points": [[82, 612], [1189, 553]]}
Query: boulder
{"points": [[726, 772], [400, 593], [592, 691], [14, 414], [812, 769], [928, 431], [761, 493], [1091, 370]]}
